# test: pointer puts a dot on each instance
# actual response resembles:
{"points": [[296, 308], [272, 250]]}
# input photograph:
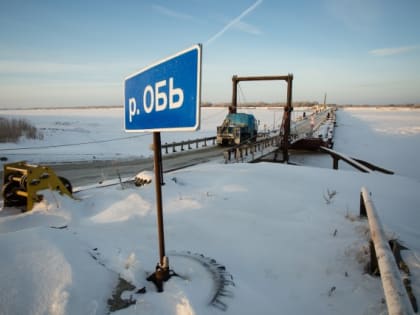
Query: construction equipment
{"points": [[22, 182]]}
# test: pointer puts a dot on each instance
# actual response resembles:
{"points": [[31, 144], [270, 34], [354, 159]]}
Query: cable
{"points": [[74, 144], [219, 112], [241, 94]]}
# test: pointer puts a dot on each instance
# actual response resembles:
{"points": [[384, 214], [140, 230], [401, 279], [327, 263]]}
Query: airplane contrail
{"points": [[232, 22]]}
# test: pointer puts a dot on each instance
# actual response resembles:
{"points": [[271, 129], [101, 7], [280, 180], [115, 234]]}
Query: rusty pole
{"points": [[162, 272], [158, 184], [233, 106], [287, 112]]}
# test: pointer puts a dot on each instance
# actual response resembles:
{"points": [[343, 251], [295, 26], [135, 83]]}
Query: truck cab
{"points": [[237, 128]]}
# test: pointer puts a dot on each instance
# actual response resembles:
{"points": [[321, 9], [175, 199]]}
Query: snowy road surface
{"points": [[84, 173]]}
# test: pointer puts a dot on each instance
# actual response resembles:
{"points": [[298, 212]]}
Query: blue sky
{"points": [[76, 53]]}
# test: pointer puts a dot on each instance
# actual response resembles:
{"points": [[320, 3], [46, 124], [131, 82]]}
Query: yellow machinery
{"points": [[22, 181]]}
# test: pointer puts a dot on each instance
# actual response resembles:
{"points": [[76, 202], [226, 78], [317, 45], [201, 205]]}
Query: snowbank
{"points": [[289, 236]]}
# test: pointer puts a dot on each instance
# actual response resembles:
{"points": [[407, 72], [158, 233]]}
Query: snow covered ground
{"points": [[289, 236], [88, 134]]}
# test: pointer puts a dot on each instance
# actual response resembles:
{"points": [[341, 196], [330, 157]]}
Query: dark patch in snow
{"points": [[223, 280], [328, 197], [178, 181], [141, 290], [330, 292], [59, 227], [97, 256], [117, 302]]}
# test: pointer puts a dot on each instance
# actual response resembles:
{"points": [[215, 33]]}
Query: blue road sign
{"points": [[165, 96]]}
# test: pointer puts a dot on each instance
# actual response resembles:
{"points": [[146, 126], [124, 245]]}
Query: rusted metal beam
{"points": [[262, 78], [374, 167], [287, 113], [340, 156], [234, 105], [287, 110], [235, 80]]}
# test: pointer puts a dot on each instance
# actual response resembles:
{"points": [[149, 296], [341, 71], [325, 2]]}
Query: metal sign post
{"points": [[162, 272], [158, 185], [165, 96]]}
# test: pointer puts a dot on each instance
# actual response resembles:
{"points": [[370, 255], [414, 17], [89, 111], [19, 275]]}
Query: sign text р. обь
{"points": [[165, 96]]}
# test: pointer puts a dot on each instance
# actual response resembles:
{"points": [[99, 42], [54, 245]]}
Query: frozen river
{"points": [[387, 137]]}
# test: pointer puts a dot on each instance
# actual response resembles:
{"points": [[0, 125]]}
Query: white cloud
{"points": [[392, 51]]}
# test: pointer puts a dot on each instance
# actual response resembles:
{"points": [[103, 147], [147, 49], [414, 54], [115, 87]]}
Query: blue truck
{"points": [[236, 129]]}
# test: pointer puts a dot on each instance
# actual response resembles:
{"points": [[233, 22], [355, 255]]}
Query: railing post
{"points": [[362, 213], [373, 263], [335, 163]]}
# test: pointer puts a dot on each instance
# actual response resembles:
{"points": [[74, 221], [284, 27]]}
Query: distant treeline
{"points": [[307, 104], [260, 104], [227, 104], [12, 129], [373, 106]]}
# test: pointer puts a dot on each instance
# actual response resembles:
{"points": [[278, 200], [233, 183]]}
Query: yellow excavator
{"points": [[22, 183]]}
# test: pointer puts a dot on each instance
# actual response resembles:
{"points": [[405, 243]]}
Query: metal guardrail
{"points": [[251, 151], [397, 299], [336, 156], [187, 144], [358, 164]]}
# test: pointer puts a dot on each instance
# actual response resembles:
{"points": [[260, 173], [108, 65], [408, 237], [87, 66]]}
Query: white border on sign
{"points": [[198, 96]]}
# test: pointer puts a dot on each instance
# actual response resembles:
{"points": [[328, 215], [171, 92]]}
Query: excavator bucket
{"points": [[22, 182]]}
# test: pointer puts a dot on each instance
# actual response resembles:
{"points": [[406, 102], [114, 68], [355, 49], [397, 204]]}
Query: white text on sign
{"points": [[156, 99]]}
